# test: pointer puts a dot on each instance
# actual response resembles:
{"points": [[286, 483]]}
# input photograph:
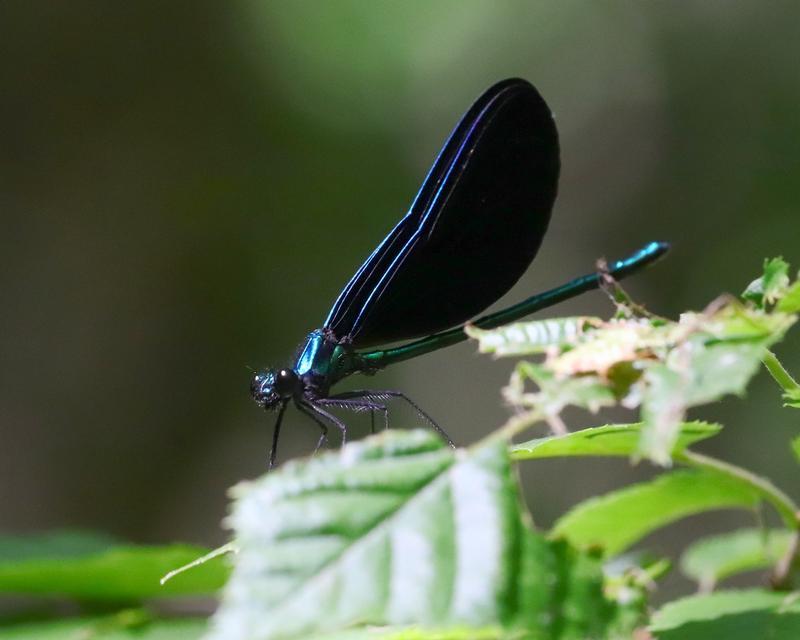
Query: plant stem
{"points": [[784, 505], [219, 551], [780, 375], [780, 574], [517, 424]]}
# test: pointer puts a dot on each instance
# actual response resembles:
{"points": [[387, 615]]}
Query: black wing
{"points": [[473, 229]]}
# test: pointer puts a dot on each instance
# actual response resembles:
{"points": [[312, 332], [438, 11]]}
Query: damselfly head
{"points": [[272, 387], [262, 388]]}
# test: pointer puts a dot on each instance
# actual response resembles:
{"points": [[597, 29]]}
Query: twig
{"points": [[780, 375], [780, 574], [783, 504]]}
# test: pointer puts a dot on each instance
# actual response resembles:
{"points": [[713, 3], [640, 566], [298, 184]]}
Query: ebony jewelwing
{"points": [[471, 232]]}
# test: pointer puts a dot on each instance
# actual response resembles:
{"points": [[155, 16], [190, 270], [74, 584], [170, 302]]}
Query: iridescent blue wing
{"points": [[471, 232]]}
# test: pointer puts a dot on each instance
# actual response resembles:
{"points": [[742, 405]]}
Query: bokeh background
{"points": [[185, 187]]}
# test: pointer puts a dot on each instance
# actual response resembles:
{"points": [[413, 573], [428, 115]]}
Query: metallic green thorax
{"points": [[323, 362]]}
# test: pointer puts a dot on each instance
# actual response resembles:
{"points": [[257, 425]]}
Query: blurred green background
{"points": [[185, 187]]}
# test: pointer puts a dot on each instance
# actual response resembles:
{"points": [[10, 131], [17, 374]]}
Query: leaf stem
{"points": [[517, 424], [779, 373], [780, 574], [783, 504], [219, 551]]}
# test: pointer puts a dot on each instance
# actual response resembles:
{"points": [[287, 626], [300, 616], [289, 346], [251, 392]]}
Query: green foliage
{"points": [[398, 537], [127, 625], [92, 569], [553, 394], [790, 387], [792, 398], [715, 558], [399, 530], [790, 303], [695, 373], [527, 338], [771, 286], [663, 367], [616, 520], [418, 633], [733, 615], [608, 440]]}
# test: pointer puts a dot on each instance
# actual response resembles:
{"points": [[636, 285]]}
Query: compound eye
{"points": [[285, 382]]}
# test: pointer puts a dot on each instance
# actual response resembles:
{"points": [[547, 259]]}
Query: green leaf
{"points": [[721, 354], [776, 278], [722, 369], [586, 392], [734, 323], [770, 286], [399, 530], [796, 447], [418, 633], [609, 440], [415, 633], [116, 627], [755, 292], [792, 398], [695, 374], [616, 342], [617, 520], [715, 558], [525, 338], [666, 367], [750, 614], [89, 569], [663, 410], [790, 303]]}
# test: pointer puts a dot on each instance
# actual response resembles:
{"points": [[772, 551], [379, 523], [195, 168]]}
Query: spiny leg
{"points": [[352, 402], [421, 413], [321, 413], [385, 394], [358, 404], [275, 433], [323, 438]]}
